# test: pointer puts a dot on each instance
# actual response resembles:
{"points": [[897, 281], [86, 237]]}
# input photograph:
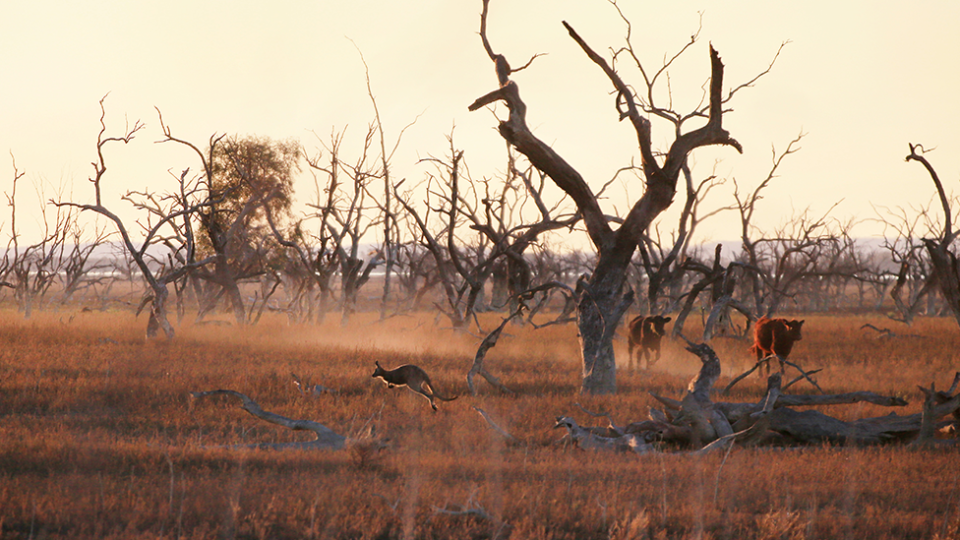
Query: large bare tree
{"points": [[603, 295], [166, 223], [943, 259]]}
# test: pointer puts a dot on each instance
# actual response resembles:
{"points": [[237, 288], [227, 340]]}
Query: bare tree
{"points": [[317, 247], [461, 280], [415, 271], [912, 279], [32, 269], [943, 260], [77, 261], [479, 230], [789, 255], [604, 296], [343, 215], [388, 251], [664, 265], [180, 211], [495, 208], [747, 205]]}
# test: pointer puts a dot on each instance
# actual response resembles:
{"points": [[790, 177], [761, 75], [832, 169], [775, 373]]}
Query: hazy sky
{"points": [[862, 79]]}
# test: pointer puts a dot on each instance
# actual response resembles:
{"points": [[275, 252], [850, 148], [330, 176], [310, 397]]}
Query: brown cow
{"points": [[645, 332], [775, 336]]}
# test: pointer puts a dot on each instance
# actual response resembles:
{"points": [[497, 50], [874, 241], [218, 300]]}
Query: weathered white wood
{"points": [[496, 427], [588, 440]]}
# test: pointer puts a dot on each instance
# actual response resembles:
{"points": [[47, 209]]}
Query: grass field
{"points": [[99, 438]]}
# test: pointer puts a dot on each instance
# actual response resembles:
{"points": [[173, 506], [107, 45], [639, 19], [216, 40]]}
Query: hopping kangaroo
{"points": [[413, 378]]}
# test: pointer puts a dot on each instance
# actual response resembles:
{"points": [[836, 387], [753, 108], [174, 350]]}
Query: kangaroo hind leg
{"points": [[425, 390]]}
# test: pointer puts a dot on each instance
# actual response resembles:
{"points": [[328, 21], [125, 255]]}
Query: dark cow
{"points": [[645, 332], [775, 336]]}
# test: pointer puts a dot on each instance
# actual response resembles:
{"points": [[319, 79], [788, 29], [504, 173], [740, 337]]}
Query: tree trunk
{"points": [[158, 315], [599, 362], [226, 280], [602, 305], [945, 268]]}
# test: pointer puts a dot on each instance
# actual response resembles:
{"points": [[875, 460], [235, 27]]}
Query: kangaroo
{"points": [[413, 378]]}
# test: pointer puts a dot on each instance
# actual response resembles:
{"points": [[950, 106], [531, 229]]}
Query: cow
{"points": [[645, 333], [775, 336]]}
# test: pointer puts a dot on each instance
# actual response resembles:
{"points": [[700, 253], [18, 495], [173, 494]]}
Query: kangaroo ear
{"points": [[377, 362], [667, 319]]}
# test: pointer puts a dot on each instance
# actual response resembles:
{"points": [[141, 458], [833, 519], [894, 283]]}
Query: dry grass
{"points": [[100, 439]]}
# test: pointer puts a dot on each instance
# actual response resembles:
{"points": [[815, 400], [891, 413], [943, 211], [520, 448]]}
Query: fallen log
{"points": [[773, 421], [813, 427], [588, 440], [698, 423], [928, 423], [496, 427], [326, 438]]}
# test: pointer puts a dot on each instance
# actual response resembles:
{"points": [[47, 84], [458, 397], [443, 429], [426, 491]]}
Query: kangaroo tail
{"points": [[433, 392]]}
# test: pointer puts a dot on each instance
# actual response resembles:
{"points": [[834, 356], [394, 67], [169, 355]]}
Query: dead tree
{"points": [[944, 263], [351, 226], [415, 272], [62, 254], [314, 240], [604, 295], [343, 217], [720, 282], [32, 270], [389, 248], [326, 438], [667, 264], [843, 265], [77, 260], [460, 270], [770, 261], [478, 368], [180, 211], [491, 340], [497, 214]]}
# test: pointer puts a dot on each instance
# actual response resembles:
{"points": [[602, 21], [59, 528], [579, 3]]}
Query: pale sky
{"points": [[862, 79]]}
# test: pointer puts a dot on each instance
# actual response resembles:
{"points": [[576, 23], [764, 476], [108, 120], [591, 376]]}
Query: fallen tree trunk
{"points": [[326, 438], [735, 411], [698, 423], [586, 439]]}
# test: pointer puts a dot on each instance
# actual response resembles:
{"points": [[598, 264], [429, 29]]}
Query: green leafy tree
{"points": [[247, 176]]}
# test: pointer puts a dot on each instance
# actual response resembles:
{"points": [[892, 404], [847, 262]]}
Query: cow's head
{"points": [[658, 323], [794, 328]]}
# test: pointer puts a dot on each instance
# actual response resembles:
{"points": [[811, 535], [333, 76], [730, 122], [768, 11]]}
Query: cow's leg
{"points": [[655, 356]]}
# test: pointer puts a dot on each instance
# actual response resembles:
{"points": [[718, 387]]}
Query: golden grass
{"points": [[99, 438]]}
